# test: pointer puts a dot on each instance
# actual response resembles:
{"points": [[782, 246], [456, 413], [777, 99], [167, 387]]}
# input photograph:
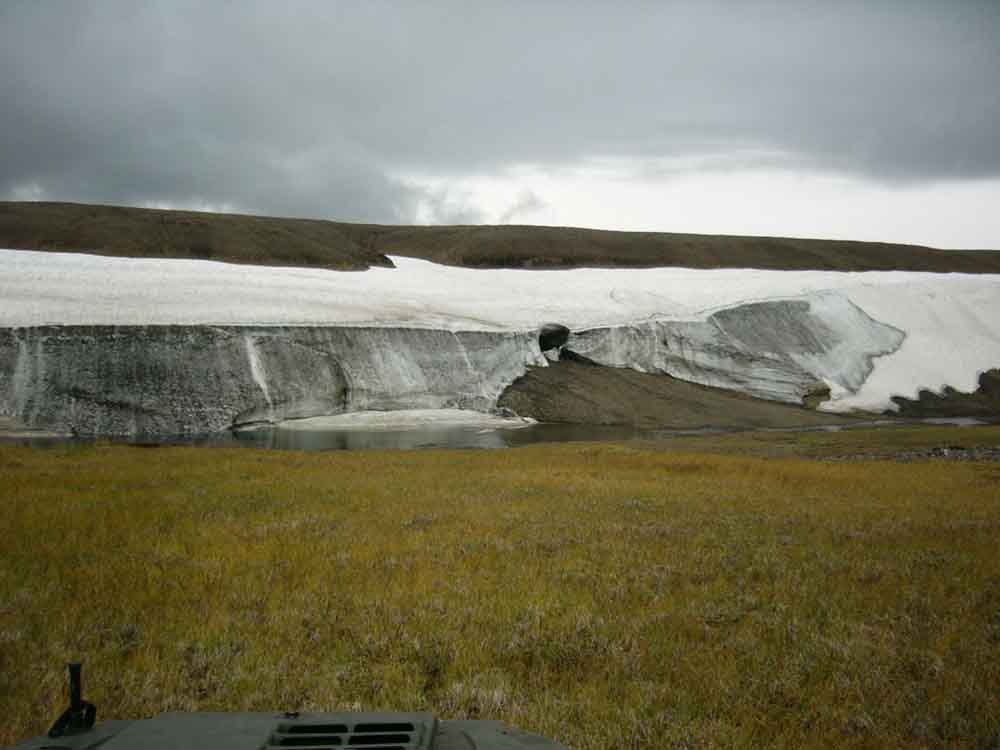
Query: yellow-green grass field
{"points": [[605, 595]]}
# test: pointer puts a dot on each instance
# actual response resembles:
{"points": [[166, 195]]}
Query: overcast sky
{"points": [[860, 120]]}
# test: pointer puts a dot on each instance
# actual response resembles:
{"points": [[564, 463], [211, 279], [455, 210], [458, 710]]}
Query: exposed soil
{"points": [[983, 402], [581, 393], [138, 232]]}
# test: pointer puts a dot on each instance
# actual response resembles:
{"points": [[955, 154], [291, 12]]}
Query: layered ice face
{"points": [[783, 335], [817, 345]]}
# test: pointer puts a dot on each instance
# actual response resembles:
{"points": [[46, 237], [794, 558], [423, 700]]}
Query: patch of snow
{"points": [[952, 327], [39, 288], [408, 419]]}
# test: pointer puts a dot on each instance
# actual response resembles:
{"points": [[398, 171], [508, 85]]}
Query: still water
{"points": [[437, 436]]}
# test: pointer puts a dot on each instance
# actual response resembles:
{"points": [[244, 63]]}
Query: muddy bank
{"points": [[578, 392]]}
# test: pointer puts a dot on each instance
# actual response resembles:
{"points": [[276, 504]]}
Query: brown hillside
{"points": [[555, 247], [140, 232], [152, 233]]}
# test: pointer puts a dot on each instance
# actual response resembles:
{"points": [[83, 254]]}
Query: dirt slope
{"points": [[582, 393], [140, 232]]}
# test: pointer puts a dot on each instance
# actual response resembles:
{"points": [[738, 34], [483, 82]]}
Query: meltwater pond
{"points": [[431, 437], [440, 436], [421, 428], [370, 431]]}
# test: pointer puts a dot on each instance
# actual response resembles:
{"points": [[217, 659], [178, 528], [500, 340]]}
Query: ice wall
{"points": [[774, 334], [172, 380], [186, 379], [783, 350]]}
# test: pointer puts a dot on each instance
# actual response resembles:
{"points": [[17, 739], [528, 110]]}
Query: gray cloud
{"points": [[323, 109], [447, 206], [525, 203]]}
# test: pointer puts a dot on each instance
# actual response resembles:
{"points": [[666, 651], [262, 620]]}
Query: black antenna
{"points": [[80, 715]]}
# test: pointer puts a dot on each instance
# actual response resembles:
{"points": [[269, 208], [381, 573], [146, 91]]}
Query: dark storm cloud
{"points": [[324, 109]]}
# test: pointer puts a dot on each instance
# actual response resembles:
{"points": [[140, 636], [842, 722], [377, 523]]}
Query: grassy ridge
{"points": [[152, 233], [606, 595], [139, 232], [563, 247]]}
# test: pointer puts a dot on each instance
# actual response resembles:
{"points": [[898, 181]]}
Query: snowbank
{"points": [[950, 321], [408, 419]]}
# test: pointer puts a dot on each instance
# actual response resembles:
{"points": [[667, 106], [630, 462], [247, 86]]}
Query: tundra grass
{"points": [[604, 595]]}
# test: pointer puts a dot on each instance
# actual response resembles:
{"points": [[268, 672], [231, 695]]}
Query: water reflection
{"points": [[430, 437], [440, 436]]}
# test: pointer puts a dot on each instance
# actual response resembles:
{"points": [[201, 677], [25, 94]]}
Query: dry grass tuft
{"points": [[605, 595]]}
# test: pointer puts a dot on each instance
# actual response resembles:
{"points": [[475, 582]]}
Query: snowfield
{"points": [[951, 322]]}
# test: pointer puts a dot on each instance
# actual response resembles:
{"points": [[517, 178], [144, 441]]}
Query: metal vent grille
{"points": [[372, 735]]}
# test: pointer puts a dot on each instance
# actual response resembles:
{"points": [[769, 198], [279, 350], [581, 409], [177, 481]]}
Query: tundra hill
{"points": [[154, 233], [568, 247]]}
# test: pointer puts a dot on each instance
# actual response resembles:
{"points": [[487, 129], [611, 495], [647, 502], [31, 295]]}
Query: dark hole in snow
{"points": [[552, 336]]}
